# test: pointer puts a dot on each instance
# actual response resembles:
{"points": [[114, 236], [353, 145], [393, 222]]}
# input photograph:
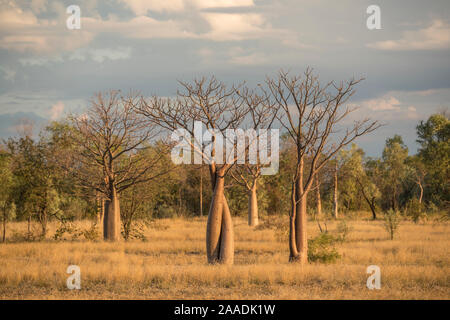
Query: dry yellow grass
{"points": [[172, 265]]}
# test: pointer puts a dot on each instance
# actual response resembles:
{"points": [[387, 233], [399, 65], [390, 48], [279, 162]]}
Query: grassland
{"points": [[171, 264]]}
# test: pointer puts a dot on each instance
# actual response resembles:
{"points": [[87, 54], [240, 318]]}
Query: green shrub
{"points": [[322, 249], [415, 210]]}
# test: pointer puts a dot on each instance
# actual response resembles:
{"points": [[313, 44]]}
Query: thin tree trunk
{"points": [[370, 202], [318, 199], [301, 239], [201, 191], [43, 221], [252, 206], [335, 202], [111, 220], [421, 192]]}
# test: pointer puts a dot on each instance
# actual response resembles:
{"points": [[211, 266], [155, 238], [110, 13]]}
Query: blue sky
{"points": [[50, 70]]}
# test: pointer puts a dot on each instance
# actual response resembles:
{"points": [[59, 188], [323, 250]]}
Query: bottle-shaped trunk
{"points": [[253, 207], [219, 229], [111, 219]]}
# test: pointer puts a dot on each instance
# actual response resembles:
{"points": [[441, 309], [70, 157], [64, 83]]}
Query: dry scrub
{"points": [[171, 264]]}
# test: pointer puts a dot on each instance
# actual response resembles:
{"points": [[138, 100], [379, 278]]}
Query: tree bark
{"points": [[100, 212], [219, 228], [43, 220], [293, 252], [335, 202], [111, 220], [201, 191], [301, 239], [421, 192], [318, 199], [253, 207]]}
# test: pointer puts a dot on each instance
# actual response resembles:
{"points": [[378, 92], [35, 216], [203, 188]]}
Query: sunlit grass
{"points": [[171, 264]]}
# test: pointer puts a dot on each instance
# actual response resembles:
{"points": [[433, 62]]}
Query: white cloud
{"points": [[22, 31], [142, 27], [226, 26], [412, 113], [100, 55], [238, 56], [436, 36], [382, 104], [57, 110], [141, 7]]}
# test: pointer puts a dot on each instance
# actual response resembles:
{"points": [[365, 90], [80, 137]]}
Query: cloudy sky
{"points": [[49, 70]]}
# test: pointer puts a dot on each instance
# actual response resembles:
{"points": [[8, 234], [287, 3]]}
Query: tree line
{"points": [[112, 164]]}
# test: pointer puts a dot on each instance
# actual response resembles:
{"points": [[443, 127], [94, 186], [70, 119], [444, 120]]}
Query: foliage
{"points": [[322, 248], [391, 222], [434, 152], [415, 210]]}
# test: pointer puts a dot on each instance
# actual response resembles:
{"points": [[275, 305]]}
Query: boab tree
{"points": [[109, 139], [312, 113], [211, 104], [262, 113]]}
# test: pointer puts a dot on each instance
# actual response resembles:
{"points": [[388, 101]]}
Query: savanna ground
{"points": [[171, 264]]}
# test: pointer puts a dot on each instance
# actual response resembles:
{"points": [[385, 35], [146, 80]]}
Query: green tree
{"points": [[434, 152], [35, 192], [7, 205], [394, 156], [356, 181]]}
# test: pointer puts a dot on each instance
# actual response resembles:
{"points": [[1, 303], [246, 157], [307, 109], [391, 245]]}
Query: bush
{"points": [[322, 249], [391, 222], [415, 210]]}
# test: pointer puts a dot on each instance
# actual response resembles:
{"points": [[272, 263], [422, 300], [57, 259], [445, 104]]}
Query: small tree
{"points": [[391, 222], [34, 189], [106, 157], [7, 206], [311, 114]]}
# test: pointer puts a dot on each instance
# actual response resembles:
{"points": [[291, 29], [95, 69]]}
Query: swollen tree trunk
{"points": [[335, 202], [111, 220], [252, 207], [100, 211], [300, 252], [219, 229]]}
